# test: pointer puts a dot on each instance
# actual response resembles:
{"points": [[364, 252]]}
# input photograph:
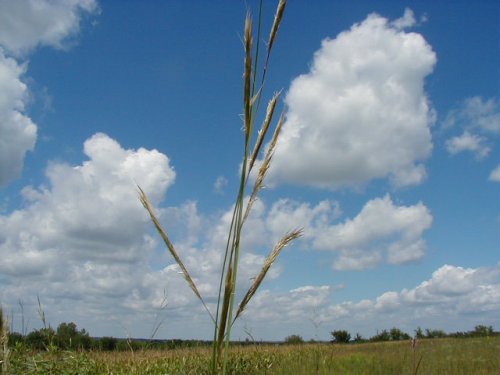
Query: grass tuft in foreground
{"points": [[4, 343]]}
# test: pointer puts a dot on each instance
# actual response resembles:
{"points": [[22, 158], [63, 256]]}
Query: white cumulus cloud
{"points": [[83, 236], [495, 174], [24, 24], [453, 298], [17, 131], [88, 212], [468, 142], [380, 229], [480, 120], [476, 113], [361, 113]]}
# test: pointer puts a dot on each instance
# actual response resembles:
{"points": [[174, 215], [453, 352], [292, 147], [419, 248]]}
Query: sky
{"points": [[388, 159]]}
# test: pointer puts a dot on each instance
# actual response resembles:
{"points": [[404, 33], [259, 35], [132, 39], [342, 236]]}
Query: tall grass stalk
{"points": [[252, 148], [4, 342]]}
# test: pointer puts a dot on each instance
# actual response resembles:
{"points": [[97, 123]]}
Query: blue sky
{"points": [[388, 159]]}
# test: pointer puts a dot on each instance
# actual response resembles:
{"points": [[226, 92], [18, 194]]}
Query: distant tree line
{"points": [[67, 336], [395, 334]]}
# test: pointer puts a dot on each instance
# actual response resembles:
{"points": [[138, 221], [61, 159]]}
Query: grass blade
{"points": [[147, 205]]}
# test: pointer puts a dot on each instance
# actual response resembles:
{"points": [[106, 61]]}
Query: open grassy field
{"points": [[439, 356]]}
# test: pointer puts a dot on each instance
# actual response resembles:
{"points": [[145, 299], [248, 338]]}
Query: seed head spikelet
{"points": [[247, 78], [287, 238], [263, 131], [264, 167], [147, 205], [272, 35], [276, 24]]}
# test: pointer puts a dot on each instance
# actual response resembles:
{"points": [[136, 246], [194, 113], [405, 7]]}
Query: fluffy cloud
{"points": [[84, 234], [17, 131], [219, 184], [361, 113], [476, 113], [24, 24], [454, 298], [88, 212], [83, 237], [451, 291], [480, 120], [468, 142], [381, 232], [381, 227], [495, 174]]}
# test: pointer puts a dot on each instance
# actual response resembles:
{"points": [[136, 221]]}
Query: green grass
{"points": [[439, 356]]}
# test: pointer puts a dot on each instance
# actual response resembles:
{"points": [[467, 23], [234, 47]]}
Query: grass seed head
{"points": [[282, 243]]}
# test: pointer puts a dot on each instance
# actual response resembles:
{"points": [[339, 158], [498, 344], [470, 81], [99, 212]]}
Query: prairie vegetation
{"points": [[68, 350], [439, 356]]}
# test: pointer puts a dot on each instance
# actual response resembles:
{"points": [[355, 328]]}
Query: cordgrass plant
{"points": [[4, 343], [253, 85]]}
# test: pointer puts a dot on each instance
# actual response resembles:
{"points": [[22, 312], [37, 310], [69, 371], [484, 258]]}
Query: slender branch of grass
{"points": [[287, 238], [272, 36], [147, 205], [158, 319], [257, 49], [247, 94], [263, 131], [264, 167]]}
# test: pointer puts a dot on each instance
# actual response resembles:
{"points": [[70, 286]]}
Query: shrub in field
{"points": [[253, 84], [434, 333], [358, 338], [483, 331], [40, 339], [294, 340], [341, 336], [383, 335], [108, 343], [419, 334], [68, 336], [397, 334]]}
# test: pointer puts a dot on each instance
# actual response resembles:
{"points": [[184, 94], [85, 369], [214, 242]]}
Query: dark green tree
{"points": [[69, 337], [358, 338], [40, 339], [341, 336], [294, 340], [482, 331], [419, 334], [434, 333], [397, 334], [108, 343], [384, 335]]}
